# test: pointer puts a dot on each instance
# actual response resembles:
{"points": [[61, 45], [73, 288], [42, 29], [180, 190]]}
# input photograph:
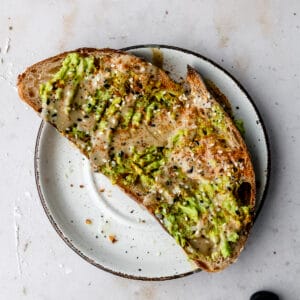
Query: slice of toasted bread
{"points": [[176, 152]]}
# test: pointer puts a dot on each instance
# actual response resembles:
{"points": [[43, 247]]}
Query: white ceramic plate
{"points": [[70, 191]]}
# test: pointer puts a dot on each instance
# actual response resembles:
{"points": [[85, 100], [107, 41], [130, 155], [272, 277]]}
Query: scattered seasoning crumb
{"points": [[106, 221], [137, 257], [72, 221], [132, 211], [126, 251], [88, 221], [148, 252], [274, 252], [102, 190], [71, 185], [112, 238], [237, 107], [10, 28], [102, 231], [96, 236], [101, 216], [81, 186], [140, 270], [166, 12]]}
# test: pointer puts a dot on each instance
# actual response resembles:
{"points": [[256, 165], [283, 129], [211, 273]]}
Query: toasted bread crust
{"points": [[24, 83], [197, 83], [29, 81]]}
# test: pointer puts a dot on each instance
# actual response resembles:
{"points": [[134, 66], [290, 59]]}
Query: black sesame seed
{"points": [[190, 170]]}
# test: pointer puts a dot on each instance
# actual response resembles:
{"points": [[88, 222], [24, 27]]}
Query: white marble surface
{"points": [[257, 41]]}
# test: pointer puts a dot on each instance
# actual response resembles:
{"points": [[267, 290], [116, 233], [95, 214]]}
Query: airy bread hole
{"points": [[244, 193], [31, 93]]}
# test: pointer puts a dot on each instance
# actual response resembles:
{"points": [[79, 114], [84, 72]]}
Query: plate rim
{"points": [[69, 242]]}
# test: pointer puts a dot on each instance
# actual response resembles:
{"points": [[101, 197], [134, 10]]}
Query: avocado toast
{"points": [[171, 147]]}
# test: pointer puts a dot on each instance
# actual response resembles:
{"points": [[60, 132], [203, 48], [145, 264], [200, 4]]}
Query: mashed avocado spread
{"points": [[195, 195]]}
